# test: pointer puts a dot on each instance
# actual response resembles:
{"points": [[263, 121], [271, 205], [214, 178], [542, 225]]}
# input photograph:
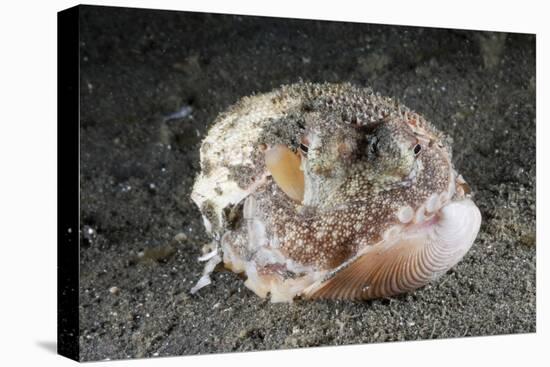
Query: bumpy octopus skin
{"points": [[331, 191]]}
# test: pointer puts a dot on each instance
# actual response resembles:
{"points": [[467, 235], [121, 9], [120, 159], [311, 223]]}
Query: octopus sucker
{"points": [[331, 191], [405, 214]]}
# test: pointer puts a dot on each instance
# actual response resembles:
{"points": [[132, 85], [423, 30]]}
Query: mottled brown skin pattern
{"points": [[357, 213], [365, 155], [331, 191]]}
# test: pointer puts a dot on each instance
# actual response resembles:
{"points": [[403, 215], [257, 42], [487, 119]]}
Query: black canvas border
{"points": [[68, 191]]}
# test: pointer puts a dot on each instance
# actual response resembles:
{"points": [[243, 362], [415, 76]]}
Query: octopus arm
{"points": [[406, 262]]}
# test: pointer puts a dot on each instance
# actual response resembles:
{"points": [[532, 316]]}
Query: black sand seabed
{"points": [[141, 234]]}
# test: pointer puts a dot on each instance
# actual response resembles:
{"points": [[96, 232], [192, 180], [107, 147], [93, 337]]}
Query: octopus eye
{"points": [[417, 149], [372, 147], [304, 148]]}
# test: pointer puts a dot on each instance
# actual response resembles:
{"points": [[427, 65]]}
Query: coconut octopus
{"points": [[331, 191]]}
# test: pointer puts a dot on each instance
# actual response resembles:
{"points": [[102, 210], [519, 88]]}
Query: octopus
{"points": [[330, 191]]}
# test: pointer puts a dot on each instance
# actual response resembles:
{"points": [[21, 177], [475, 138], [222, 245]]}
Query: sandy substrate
{"points": [[141, 234]]}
